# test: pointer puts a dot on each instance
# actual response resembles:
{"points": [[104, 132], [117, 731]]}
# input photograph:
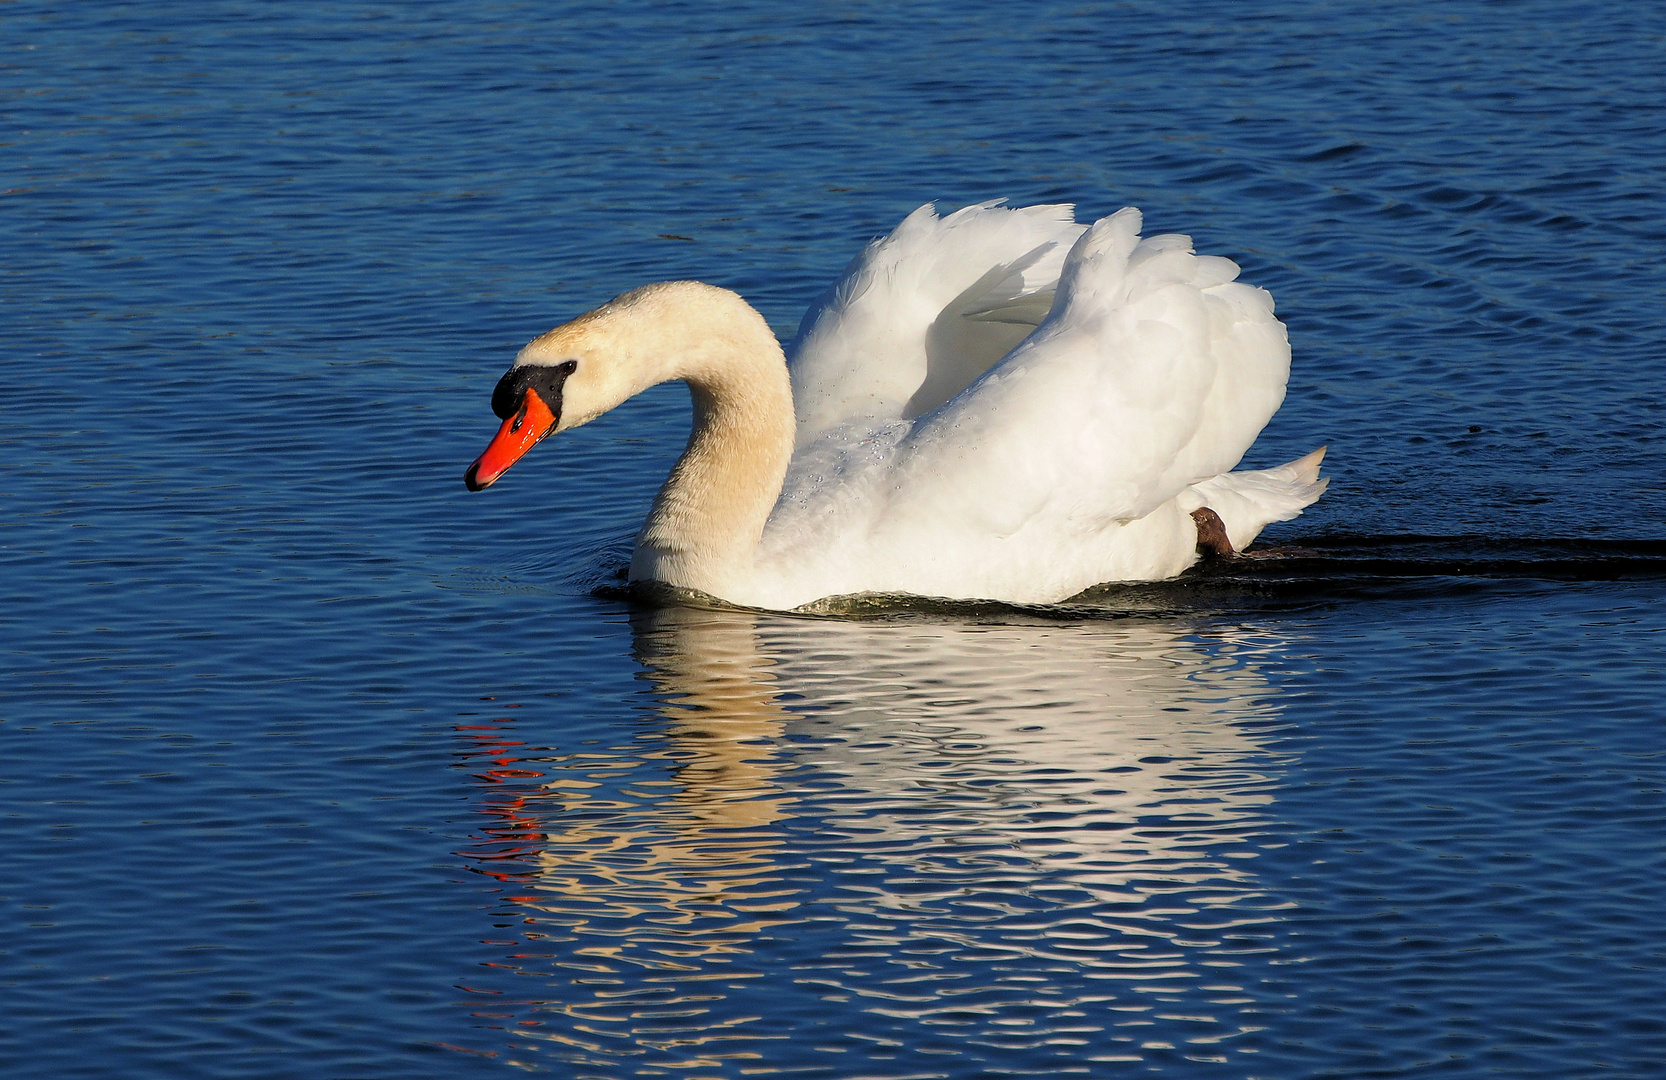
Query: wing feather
{"points": [[922, 312]]}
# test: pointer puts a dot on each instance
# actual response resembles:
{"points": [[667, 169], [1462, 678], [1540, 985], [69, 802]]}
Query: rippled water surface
{"points": [[316, 765]]}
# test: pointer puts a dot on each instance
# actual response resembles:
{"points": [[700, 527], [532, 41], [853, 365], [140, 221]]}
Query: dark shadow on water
{"points": [[1312, 572], [1339, 567]]}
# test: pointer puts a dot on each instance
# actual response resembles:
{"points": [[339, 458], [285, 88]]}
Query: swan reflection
{"points": [[1026, 845]]}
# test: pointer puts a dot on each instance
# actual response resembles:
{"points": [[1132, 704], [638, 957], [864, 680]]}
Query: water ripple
{"points": [[264, 264]]}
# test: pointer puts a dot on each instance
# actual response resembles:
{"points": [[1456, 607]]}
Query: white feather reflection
{"points": [[1020, 843]]}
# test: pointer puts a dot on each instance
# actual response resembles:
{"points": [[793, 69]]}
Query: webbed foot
{"points": [[1211, 533]]}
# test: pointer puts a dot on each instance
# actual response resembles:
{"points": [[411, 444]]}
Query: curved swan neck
{"points": [[706, 521]]}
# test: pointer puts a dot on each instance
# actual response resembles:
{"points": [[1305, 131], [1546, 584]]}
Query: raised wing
{"points": [[924, 311], [1154, 370], [1059, 467]]}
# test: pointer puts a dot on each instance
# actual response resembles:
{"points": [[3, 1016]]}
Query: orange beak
{"points": [[531, 422]]}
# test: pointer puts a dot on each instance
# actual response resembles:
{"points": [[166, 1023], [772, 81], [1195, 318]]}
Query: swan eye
{"points": [[546, 379]]}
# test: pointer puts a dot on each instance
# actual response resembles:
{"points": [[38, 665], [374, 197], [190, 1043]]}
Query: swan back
{"points": [[1154, 370], [1061, 465]]}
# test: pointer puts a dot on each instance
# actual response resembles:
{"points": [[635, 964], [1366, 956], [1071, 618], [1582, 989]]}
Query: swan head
{"points": [[581, 369]]}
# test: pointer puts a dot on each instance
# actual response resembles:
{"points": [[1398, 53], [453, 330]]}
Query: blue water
{"points": [[316, 765]]}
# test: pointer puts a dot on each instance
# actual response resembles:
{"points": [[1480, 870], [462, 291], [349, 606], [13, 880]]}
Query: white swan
{"points": [[999, 404]]}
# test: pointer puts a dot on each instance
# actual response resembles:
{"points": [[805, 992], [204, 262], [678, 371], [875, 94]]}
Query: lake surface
{"points": [[316, 765]]}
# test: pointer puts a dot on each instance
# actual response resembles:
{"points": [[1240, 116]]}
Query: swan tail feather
{"points": [[1249, 501]]}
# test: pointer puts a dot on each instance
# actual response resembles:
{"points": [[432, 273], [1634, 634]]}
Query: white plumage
{"points": [[998, 404]]}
